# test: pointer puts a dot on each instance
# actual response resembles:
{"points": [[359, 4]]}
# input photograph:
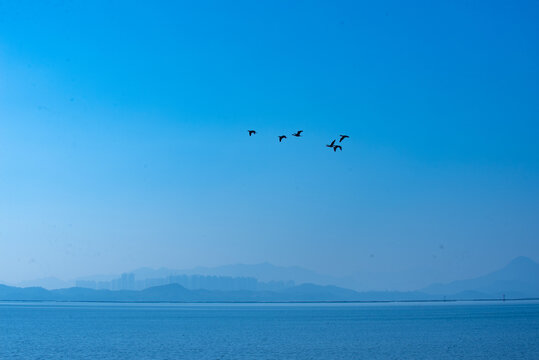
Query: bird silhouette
{"points": [[282, 137], [298, 134], [251, 132], [343, 137], [331, 145], [337, 147]]}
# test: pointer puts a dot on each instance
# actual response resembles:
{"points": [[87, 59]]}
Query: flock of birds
{"points": [[298, 134]]}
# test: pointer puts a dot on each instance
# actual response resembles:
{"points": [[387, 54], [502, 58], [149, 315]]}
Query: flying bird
{"points": [[298, 134], [282, 137], [337, 147], [343, 137], [331, 145], [251, 132]]}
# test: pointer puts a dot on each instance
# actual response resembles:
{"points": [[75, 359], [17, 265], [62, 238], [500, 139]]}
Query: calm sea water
{"points": [[307, 331]]}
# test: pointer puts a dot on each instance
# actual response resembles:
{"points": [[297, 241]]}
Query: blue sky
{"points": [[123, 137]]}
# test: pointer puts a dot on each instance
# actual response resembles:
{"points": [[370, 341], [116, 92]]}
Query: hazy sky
{"points": [[123, 136]]}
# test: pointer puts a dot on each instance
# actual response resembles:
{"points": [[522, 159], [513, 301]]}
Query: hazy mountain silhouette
{"points": [[519, 278], [263, 272], [267, 272], [177, 293]]}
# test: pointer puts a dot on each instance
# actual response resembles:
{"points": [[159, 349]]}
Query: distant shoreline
{"points": [[277, 302]]}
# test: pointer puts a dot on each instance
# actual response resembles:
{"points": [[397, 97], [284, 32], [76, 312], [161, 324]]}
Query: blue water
{"points": [[325, 331]]}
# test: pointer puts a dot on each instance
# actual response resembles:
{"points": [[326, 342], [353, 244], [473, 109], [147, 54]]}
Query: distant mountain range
{"points": [[47, 283], [267, 272], [177, 293], [264, 272], [519, 279]]}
